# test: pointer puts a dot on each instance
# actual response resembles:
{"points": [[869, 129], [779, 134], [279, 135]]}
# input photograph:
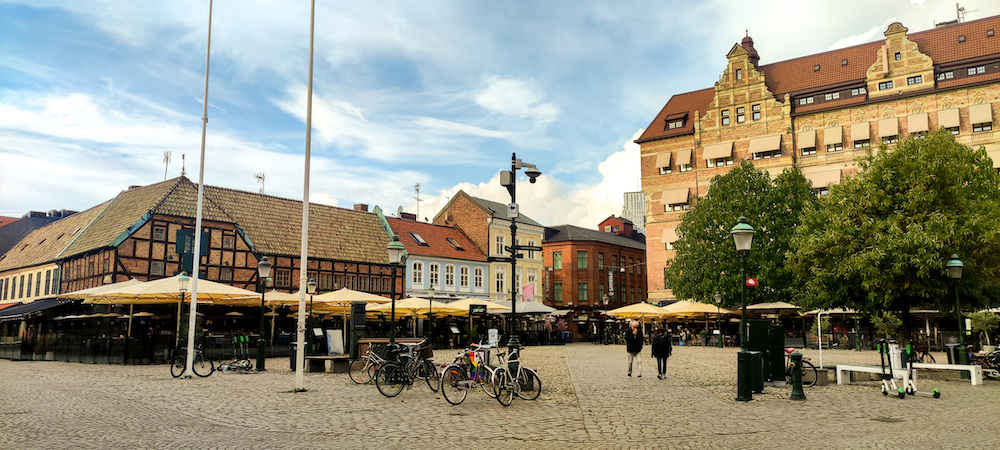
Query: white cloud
{"points": [[517, 98], [868, 36]]}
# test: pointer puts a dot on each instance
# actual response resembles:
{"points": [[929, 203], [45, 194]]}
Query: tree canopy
{"points": [[707, 261], [881, 239]]}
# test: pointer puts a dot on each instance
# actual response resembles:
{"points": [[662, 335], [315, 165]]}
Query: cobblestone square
{"points": [[587, 402]]}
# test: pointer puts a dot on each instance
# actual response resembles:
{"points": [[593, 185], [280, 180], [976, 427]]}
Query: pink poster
{"points": [[528, 292]]}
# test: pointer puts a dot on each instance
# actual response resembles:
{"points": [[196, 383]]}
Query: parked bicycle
{"points": [[919, 351], [362, 370], [470, 369], [201, 366], [808, 370], [989, 362], [512, 378], [409, 366]]}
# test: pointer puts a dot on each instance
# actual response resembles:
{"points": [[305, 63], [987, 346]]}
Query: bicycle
{"points": [[470, 368], [990, 363], [512, 379], [918, 351], [201, 366], [362, 370], [808, 370], [392, 376]]}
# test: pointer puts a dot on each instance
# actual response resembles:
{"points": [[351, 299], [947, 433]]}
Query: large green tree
{"points": [[707, 260], [881, 239]]}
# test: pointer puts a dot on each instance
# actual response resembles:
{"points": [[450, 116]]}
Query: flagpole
{"points": [[300, 353]]}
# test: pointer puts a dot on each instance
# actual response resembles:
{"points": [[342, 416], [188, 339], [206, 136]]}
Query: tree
{"points": [[707, 260], [881, 239]]}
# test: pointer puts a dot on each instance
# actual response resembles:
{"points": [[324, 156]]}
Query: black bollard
{"points": [[796, 368]]}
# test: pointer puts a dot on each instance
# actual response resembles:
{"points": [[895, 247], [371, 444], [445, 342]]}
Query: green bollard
{"points": [[744, 392], [797, 392]]}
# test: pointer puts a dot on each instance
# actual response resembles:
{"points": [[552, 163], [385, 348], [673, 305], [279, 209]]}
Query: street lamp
{"points": [[743, 237], [509, 181], [718, 316], [263, 271], [955, 273], [311, 289], [430, 314], [396, 250], [182, 282], [604, 324]]}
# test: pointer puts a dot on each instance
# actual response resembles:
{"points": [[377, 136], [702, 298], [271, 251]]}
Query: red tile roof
{"points": [[436, 237], [796, 75]]}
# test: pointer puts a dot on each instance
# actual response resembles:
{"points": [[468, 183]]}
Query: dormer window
{"points": [[418, 239], [739, 74], [455, 244], [672, 124]]}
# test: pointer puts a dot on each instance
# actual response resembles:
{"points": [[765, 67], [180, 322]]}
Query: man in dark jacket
{"points": [[662, 348], [633, 345]]}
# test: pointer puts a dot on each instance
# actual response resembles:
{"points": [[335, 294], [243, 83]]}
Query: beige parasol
{"points": [[491, 307], [638, 311], [416, 306]]}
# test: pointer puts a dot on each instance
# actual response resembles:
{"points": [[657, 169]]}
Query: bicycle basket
{"points": [[426, 352]]}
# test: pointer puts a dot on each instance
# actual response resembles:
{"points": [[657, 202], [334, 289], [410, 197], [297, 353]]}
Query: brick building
{"points": [[818, 113]]}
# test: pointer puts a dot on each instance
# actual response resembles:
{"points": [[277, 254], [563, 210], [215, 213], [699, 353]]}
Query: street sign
{"points": [[512, 210], [751, 282], [533, 248]]}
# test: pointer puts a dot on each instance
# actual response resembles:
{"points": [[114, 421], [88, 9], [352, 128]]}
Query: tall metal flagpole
{"points": [[300, 353], [196, 269]]}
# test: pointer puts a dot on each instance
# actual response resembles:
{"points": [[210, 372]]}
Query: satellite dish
{"points": [[399, 212]]}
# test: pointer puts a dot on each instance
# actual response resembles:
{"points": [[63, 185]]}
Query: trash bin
{"points": [[756, 372], [292, 350], [565, 336], [952, 351]]}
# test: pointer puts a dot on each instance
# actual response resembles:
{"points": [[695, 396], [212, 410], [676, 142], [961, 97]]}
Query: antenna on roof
{"points": [[259, 176], [416, 188], [166, 162], [183, 166], [960, 12]]}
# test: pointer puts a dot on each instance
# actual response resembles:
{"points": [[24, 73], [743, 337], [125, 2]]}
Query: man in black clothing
{"points": [[633, 345], [661, 351]]}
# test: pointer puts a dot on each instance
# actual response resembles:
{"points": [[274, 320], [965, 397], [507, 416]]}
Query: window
{"points": [[961, 38], [557, 294], [156, 268], [454, 244], [435, 275], [29, 285], [676, 207], [581, 260], [859, 91], [501, 282], [283, 277], [664, 170], [741, 115], [669, 246], [756, 111], [325, 282], [479, 278], [581, 292], [725, 117], [463, 276], [890, 139], [557, 260], [418, 273], [946, 75], [831, 96], [499, 244], [977, 127], [823, 191], [719, 162], [915, 80], [863, 143], [835, 147], [600, 261], [48, 281], [977, 70], [684, 167], [809, 151], [418, 239], [767, 155], [898, 56], [739, 74], [449, 275], [20, 288], [531, 253], [806, 101], [228, 241], [226, 274], [159, 233], [885, 85], [90, 268], [675, 124]]}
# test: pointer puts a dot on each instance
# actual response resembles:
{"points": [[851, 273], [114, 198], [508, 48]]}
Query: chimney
{"points": [[408, 216], [361, 207]]}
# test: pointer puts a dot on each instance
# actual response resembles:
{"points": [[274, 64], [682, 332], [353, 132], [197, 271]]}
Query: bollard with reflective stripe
{"points": [[796, 368]]}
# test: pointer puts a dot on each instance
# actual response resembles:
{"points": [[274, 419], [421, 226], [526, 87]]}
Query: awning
{"points": [[888, 127], [807, 139], [663, 160], [948, 118], [859, 131], [675, 196], [833, 135], [716, 151], [765, 143], [823, 179], [8, 305], [24, 310], [669, 235], [995, 156], [981, 113], [684, 157], [916, 123]]}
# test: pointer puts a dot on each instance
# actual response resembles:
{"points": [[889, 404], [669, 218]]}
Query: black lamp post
{"points": [[509, 181], [396, 250], [310, 289], [718, 315], [263, 271], [955, 273], [182, 283], [430, 315], [743, 237]]}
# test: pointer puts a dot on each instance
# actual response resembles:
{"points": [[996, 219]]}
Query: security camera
{"points": [[532, 173]]}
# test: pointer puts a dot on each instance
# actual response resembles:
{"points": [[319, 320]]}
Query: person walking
{"points": [[662, 348], [633, 345]]}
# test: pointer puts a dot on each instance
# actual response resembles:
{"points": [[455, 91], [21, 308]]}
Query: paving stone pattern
{"points": [[587, 402]]}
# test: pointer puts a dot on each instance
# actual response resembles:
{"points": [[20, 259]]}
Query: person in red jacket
{"points": [[633, 345]]}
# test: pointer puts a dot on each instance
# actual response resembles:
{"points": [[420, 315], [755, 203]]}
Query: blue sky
{"points": [[440, 93]]}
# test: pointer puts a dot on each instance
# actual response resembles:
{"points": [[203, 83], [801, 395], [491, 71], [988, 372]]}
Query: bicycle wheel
{"points": [[428, 372], [453, 381], [531, 385], [808, 374], [504, 387], [488, 381], [202, 366], [388, 379], [177, 366], [358, 370]]}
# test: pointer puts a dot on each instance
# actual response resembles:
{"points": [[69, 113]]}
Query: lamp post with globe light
{"points": [[263, 272], [743, 238]]}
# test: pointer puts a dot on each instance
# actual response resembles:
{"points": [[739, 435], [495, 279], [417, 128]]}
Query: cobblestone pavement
{"points": [[587, 402]]}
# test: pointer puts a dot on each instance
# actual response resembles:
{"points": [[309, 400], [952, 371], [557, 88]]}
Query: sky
{"points": [[436, 93]]}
